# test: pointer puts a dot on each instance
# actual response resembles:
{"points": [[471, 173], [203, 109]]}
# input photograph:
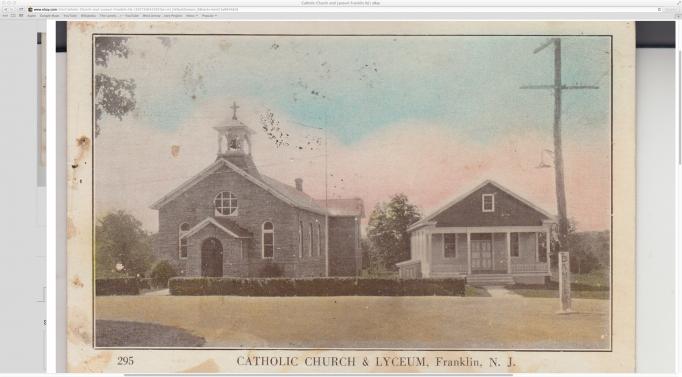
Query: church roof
{"points": [[343, 207], [286, 193], [226, 225], [300, 198]]}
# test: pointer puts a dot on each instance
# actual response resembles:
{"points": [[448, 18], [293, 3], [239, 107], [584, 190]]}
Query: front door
{"points": [[481, 253], [211, 258]]}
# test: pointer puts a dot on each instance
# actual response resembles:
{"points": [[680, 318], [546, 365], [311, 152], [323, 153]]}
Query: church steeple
{"points": [[234, 137], [234, 142]]}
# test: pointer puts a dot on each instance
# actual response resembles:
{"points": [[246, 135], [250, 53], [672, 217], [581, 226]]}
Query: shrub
{"points": [[145, 283], [186, 286], [325, 286], [161, 273], [271, 270], [117, 286]]}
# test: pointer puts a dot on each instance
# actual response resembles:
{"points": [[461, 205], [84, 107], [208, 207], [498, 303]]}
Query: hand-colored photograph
{"points": [[352, 191]]}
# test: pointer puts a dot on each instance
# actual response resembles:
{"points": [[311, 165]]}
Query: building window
{"points": [[225, 204], [183, 248], [300, 239], [268, 240], [514, 244], [310, 240], [450, 245], [184, 228], [319, 239], [357, 233], [488, 202]]}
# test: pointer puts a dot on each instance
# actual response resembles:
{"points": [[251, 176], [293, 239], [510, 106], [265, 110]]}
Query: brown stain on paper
{"points": [[83, 144], [76, 282], [77, 332], [71, 230], [208, 366], [175, 150], [97, 363]]}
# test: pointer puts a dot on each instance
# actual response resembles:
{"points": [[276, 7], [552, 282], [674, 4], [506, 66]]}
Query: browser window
{"points": [[340, 187]]}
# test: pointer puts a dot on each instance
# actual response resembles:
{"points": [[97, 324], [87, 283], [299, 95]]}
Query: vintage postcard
{"points": [[351, 197]]}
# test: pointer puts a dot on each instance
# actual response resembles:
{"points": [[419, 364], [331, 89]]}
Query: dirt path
{"points": [[500, 291], [333, 322]]}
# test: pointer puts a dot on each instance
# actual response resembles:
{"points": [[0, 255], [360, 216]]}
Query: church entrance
{"points": [[211, 258]]}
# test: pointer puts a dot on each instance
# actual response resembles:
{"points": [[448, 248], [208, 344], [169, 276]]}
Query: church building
{"points": [[231, 220]]}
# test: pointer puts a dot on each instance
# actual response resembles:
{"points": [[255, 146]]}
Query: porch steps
{"points": [[490, 279]]}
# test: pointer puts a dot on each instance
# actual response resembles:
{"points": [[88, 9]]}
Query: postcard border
{"points": [[611, 231]]}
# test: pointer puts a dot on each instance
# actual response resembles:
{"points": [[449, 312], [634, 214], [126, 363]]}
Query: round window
{"points": [[225, 203]]}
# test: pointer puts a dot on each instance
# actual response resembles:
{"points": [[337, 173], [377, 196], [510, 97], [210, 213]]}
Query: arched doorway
{"points": [[211, 258]]}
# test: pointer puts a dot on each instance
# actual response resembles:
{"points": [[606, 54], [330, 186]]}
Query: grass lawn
{"points": [[542, 291], [591, 285], [373, 322], [473, 291], [596, 278]]}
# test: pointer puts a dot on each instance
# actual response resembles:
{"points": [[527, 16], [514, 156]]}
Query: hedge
{"points": [[117, 286], [204, 286], [145, 283]]}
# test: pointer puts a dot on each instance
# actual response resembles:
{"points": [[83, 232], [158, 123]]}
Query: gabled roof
{"points": [[280, 190], [343, 207], [427, 220], [226, 225], [300, 198]]}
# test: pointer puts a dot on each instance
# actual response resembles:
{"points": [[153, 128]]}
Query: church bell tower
{"points": [[234, 143]]}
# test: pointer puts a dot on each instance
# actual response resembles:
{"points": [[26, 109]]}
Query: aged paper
{"points": [[351, 197]]}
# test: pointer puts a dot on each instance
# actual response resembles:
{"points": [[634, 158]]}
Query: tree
{"points": [[589, 251], [113, 96], [387, 232], [122, 247]]}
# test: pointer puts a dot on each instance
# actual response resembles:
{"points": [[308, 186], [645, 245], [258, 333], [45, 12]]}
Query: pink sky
{"points": [[429, 162]]}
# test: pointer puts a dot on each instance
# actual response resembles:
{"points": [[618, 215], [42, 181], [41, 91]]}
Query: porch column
{"points": [[548, 246], [508, 253], [468, 252]]}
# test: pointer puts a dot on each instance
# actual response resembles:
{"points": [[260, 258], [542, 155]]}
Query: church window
{"points": [[319, 239], [184, 227], [300, 239], [225, 204], [310, 240], [268, 240]]}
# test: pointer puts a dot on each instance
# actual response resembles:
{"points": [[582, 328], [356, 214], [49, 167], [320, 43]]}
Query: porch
{"points": [[479, 252]]}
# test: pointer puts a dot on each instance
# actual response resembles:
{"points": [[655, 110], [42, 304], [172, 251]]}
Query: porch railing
{"points": [[529, 267], [409, 269], [451, 268]]}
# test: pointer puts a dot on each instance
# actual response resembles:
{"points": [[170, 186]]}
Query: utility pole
{"points": [[558, 87]]}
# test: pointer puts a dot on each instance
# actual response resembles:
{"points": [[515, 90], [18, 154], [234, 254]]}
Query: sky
{"points": [[430, 117]]}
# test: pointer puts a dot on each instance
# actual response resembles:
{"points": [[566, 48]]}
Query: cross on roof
{"points": [[234, 108]]}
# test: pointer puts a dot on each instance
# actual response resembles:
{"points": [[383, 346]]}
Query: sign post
{"points": [[565, 281]]}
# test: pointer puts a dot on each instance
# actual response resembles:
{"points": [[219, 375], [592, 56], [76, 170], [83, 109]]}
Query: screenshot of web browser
{"points": [[340, 187]]}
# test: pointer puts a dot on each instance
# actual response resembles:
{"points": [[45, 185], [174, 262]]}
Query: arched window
{"points": [[225, 204], [268, 240], [319, 239], [184, 227], [310, 239], [300, 239]]}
